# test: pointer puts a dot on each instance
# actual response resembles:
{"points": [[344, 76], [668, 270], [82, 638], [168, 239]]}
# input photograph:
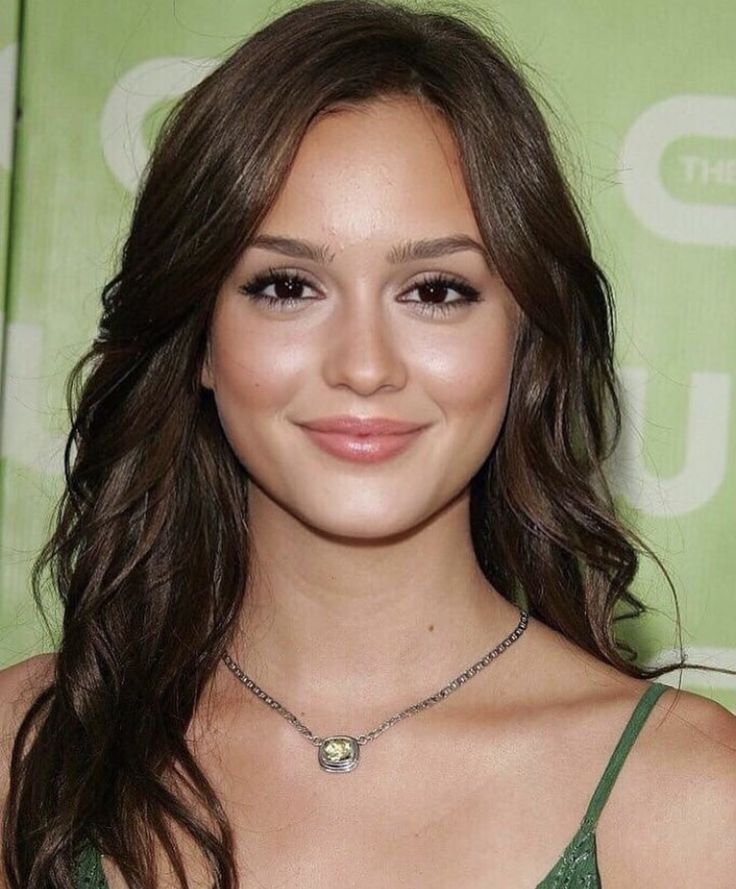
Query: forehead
{"points": [[385, 169]]}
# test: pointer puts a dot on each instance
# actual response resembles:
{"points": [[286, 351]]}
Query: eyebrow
{"points": [[425, 248]]}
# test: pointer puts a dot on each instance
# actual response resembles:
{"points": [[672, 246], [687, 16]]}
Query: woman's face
{"points": [[362, 335]]}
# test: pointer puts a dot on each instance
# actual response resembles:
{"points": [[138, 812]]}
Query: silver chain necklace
{"points": [[340, 753]]}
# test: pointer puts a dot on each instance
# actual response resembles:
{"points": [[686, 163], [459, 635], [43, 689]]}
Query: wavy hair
{"points": [[149, 550]]}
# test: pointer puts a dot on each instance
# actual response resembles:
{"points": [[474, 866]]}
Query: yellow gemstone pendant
{"points": [[339, 753]]}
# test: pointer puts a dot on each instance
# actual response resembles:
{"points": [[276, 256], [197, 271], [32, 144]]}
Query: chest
{"points": [[442, 804]]}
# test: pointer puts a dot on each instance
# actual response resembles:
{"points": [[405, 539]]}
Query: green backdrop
{"points": [[642, 100]]}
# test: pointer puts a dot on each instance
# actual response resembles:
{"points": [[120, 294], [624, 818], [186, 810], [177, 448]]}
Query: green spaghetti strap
{"points": [[628, 736]]}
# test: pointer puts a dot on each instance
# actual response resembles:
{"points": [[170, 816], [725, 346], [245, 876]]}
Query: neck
{"points": [[330, 621]]}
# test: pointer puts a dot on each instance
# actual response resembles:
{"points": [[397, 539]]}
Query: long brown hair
{"points": [[147, 552]]}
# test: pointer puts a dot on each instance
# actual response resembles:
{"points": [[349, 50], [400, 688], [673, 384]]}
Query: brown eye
{"points": [[436, 286], [287, 286]]}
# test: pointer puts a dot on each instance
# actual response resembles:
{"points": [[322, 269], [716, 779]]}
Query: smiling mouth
{"points": [[362, 448], [354, 425]]}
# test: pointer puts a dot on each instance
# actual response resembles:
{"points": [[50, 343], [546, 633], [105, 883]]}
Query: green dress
{"points": [[576, 868]]}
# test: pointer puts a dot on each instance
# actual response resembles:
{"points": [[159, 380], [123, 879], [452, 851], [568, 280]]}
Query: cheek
{"points": [[471, 376], [256, 377], [251, 369]]}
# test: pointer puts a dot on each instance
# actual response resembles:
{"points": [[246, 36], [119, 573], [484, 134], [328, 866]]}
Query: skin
{"points": [[367, 597], [369, 566]]}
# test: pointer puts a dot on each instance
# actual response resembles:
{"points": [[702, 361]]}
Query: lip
{"points": [[362, 448], [361, 426]]}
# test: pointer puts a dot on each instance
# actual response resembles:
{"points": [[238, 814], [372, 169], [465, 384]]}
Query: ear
{"points": [[205, 376]]}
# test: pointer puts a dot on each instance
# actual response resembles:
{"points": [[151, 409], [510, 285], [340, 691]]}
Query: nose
{"points": [[362, 350]]}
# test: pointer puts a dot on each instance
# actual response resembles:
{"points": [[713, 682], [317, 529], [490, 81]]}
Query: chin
{"points": [[360, 525]]}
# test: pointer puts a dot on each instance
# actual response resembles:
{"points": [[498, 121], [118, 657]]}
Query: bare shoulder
{"points": [[701, 738], [696, 717], [679, 824], [20, 684], [670, 819]]}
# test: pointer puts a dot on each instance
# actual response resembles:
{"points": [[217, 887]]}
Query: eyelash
{"points": [[259, 282]]}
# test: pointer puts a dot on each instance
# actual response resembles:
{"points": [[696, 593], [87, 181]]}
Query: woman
{"points": [[358, 216]]}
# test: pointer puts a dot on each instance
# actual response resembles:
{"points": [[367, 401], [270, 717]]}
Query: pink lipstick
{"points": [[362, 439]]}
